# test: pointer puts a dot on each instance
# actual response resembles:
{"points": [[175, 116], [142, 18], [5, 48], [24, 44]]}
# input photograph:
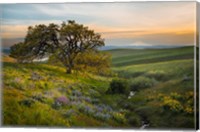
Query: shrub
{"points": [[141, 83], [94, 62], [119, 117], [176, 96], [158, 75], [172, 104], [146, 112], [133, 119], [27, 102], [118, 86]]}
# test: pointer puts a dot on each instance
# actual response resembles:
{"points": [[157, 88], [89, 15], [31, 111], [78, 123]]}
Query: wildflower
{"points": [[62, 100], [76, 93]]}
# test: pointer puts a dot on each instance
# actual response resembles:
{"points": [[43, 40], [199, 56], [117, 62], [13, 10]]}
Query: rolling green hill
{"points": [[124, 57], [162, 81], [164, 84]]}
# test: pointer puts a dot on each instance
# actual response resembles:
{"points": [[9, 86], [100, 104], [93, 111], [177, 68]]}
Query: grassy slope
{"points": [[165, 71], [20, 90], [124, 57], [164, 68]]}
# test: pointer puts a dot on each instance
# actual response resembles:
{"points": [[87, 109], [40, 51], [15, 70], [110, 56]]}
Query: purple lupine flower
{"points": [[76, 93], [70, 113], [62, 100], [103, 108], [87, 99], [76, 103], [99, 108], [102, 116]]}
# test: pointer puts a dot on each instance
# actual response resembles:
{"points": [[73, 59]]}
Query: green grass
{"points": [[157, 75], [164, 97], [124, 57], [19, 87]]}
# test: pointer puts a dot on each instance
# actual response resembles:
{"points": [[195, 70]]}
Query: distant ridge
{"points": [[139, 47], [6, 51]]}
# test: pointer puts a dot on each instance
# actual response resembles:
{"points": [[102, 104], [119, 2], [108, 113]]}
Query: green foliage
{"points": [[94, 62], [91, 61], [119, 118], [118, 86], [172, 104], [141, 83], [134, 119], [65, 42], [157, 75], [54, 61], [21, 52]]}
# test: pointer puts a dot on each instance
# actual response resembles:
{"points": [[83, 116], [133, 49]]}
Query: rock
{"points": [[131, 94]]}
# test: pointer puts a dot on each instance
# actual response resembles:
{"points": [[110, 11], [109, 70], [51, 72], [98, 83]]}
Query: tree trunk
{"points": [[70, 65], [69, 70]]}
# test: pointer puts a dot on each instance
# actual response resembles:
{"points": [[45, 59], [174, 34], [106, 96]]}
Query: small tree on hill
{"points": [[66, 42]]}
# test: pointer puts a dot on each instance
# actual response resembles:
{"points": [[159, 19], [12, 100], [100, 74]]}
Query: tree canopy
{"points": [[65, 41]]}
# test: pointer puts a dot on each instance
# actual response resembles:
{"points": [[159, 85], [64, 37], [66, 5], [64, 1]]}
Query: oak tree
{"points": [[66, 42]]}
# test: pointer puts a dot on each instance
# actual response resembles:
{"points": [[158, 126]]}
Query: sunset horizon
{"points": [[121, 24]]}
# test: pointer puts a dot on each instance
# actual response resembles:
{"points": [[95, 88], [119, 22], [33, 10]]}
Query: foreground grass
{"points": [[31, 92]]}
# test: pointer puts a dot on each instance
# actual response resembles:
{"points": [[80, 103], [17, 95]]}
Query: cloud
{"points": [[136, 15], [128, 23]]}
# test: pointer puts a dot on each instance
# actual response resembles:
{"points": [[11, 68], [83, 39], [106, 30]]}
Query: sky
{"points": [[120, 24]]}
